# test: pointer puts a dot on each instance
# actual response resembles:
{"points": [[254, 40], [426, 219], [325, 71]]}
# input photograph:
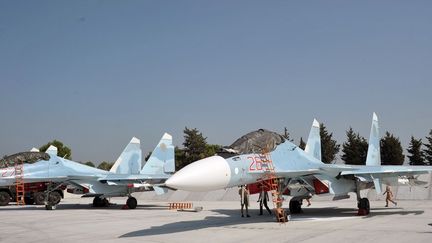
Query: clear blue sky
{"points": [[95, 73]]}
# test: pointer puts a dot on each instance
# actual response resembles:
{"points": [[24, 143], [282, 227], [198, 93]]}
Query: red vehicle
{"points": [[35, 193]]}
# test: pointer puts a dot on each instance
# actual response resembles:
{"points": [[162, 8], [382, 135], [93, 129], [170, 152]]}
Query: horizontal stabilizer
{"points": [[34, 150], [160, 190]]}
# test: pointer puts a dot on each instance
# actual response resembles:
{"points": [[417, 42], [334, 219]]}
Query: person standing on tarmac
{"points": [[263, 199], [244, 200], [389, 196]]}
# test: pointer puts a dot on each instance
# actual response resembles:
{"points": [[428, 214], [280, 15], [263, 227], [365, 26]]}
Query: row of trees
{"points": [[354, 149]]}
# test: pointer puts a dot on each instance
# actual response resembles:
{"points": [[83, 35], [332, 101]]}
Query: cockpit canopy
{"points": [[25, 157], [258, 141]]}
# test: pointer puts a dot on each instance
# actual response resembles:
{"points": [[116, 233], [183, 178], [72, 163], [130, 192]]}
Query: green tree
{"points": [[354, 149], [89, 163], [180, 158], [302, 144], [211, 149], [416, 155], [105, 165], [195, 148], [391, 150], [329, 146], [62, 150], [195, 145], [428, 149]]}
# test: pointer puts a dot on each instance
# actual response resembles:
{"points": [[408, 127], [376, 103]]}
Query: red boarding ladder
{"points": [[19, 182], [271, 182]]}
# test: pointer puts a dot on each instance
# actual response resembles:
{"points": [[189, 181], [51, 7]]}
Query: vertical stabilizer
{"points": [[161, 160], [129, 161], [373, 153], [313, 145]]}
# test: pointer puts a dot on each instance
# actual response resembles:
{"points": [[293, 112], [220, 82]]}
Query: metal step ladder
{"points": [[19, 182], [271, 183]]}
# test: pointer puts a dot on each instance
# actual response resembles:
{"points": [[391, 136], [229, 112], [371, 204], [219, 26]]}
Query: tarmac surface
{"points": [[75, 220]]}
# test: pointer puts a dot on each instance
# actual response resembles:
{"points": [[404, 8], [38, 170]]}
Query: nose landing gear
{"points": [[362, 203]]}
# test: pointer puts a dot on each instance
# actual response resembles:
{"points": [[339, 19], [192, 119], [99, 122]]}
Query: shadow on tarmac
{"points": [[232, 218], [78, 206]]}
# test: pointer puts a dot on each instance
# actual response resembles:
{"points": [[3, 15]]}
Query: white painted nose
{"points": [[203, 175]]}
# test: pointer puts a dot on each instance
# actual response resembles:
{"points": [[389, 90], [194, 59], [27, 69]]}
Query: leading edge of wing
{"points": [[389, 170]]}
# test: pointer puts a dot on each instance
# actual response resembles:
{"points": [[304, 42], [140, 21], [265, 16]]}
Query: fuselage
{"points": [[86, 179], [218, 173]]}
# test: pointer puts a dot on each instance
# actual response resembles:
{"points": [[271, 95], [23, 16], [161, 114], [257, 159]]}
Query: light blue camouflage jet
{"points": [[124, 178], [300, 172]]}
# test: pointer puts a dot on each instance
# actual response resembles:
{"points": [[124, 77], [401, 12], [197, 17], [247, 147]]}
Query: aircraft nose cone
{"points": [[203, 175]]}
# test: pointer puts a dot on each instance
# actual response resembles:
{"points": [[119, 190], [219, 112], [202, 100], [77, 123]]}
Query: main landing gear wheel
{"points": [[295, 206], [99, 202], [363, 205], [4, 198], [131, 203]]}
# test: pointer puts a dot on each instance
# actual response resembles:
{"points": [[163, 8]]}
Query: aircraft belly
{"points": [[337, 186]]}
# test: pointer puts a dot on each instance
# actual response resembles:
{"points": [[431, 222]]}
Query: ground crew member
{"points": [[244, 200], [389, 196], [263, 199]]}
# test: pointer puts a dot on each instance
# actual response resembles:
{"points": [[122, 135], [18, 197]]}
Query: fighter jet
{"points": [[300, 172], [124, 178]]}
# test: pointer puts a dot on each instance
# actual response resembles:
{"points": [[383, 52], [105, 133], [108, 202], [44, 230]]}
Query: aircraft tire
{"points": [[364, 204], [295, 206], [39, 198], [131, 203], [4, 198], [105, 202], [97, 202]]}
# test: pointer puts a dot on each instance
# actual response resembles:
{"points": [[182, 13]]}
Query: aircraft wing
{"points": [[136, 177], [135, 181], [148, 182], [389, 170]]}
